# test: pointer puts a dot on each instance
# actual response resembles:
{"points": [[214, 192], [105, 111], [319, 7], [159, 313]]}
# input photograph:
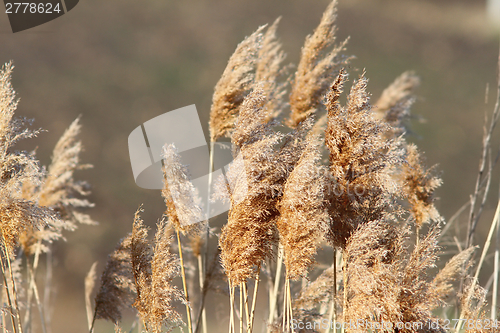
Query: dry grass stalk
{"points": [[362, 162], [483, 180], [234, 84], [316, 69], [472, 302]]}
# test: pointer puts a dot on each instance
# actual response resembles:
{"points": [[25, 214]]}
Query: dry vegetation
{"points": [[341, 176]]}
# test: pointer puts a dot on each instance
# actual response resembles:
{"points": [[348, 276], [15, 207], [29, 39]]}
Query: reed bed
{"points": [[309, 173]]}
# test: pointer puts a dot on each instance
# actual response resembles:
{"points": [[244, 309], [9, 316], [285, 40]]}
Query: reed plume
{"points": [[416, 297], [183, 205], [117, 290], [394, 104], [248, 237], [419, 185], [183, 210], [362, 162], [316, 69], [269, 69], [154, 269], [234, 84], [385, 283], [303, 217], [372, 257], [254, 185], [442, 284], [58, 190], [18, 214]]}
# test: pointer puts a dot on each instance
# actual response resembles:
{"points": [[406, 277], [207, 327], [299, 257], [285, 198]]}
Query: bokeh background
{"points": [[118, 63]]}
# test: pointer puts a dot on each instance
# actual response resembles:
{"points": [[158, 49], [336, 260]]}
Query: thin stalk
{"points": [[14, 291], [4, 324], [93, 322], [6, 285], [205, 289], [495, 274], [483, 254], [245, 297], [290, 310], [254, 301], [285, 308], [188, 310], [231, 312], [201, 276], [333, 308], [344, 305], [474, 218], [40, 309], [31, 272], [48, 290], [207, 236], [37, 297], [241, 307], [274, 295], [270, 281]]}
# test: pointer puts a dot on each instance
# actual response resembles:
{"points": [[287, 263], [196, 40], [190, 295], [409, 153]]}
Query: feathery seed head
{"points": [[361, 187], [234, 84], [316, 70]]}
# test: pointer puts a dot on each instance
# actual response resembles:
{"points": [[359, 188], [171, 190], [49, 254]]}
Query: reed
{"points": [[370, 202]]}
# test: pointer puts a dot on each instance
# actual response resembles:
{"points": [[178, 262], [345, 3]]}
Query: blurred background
{"points": [[121, 63]]}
